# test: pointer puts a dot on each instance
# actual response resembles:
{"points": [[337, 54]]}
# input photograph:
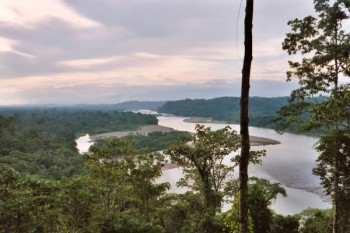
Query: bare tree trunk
{"points": [[336, 165], [245, 145]]}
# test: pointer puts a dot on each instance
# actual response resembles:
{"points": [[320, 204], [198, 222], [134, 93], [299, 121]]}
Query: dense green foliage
{"points": [[260, 195], [315, 220], [117, 194], [42, 140], [118, 191], [77, 120], [323, 42], [157, 141], [262, 111]]}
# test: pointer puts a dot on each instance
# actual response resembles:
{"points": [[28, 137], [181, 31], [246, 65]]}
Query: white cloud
{"points": [[7, 45], [86, 63], [71, 46], [25, 13]]}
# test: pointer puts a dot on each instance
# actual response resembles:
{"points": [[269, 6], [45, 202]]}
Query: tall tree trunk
{"points": [[336, 200], [336, 197], [245, 145]]}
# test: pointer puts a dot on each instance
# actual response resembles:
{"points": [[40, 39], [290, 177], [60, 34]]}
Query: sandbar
{"points": [[145, 130]]}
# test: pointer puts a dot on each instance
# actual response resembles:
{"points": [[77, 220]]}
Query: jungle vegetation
{"points": [[47, 186]]}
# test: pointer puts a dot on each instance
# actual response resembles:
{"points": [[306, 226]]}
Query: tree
{"points": [[316, 220], [260, 216], [244, 119], [128, 192], [27, 203], [202, 158], [325, 46], [334, 172], [285, 224], [13, 214], [42, 198], [78, 198], [260, 194], [142, 178], [204, 161], [108, 161]]}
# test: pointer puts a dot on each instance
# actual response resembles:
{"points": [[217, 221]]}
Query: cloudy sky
{"points": [[109, 51]]}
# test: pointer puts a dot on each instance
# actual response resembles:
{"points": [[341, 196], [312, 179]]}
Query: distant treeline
{"points": [[128, 105], [262, 111]]}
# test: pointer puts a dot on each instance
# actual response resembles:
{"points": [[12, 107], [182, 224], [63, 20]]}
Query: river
{"points": [[289, 163]]}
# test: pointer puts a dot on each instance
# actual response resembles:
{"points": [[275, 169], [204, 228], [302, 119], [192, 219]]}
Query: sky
{"points": [[111, 51]]}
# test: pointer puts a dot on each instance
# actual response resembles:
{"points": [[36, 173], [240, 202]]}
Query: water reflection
{"points": [[84, 143], [289, 163]]}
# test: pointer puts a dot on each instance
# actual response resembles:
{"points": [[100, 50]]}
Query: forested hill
{"points": [[136, 105], [128, 105], [262, 110]]}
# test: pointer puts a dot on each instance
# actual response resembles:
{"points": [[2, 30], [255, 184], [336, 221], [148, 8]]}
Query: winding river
{"points": [[289, 163]]}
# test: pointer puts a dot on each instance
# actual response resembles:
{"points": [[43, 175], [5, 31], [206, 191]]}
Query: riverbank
{"points": [[145, 130], [203, 120], [254, 141]]}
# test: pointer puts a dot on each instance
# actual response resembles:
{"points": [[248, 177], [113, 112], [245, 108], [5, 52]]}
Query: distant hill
{"points": [[262, 110], [135, 105], [129, 105]]}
